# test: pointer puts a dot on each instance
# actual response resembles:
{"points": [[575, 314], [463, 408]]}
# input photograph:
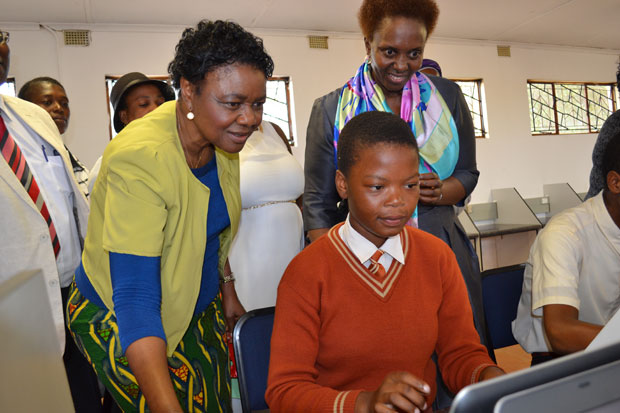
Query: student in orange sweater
{"points": [[355, 332]]}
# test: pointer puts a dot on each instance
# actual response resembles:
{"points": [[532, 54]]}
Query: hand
{"points": [[233, 309], [399, 392], [430, 189]]}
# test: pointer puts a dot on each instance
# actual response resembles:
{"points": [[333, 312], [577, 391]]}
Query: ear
{"points": [[122, 115], [341, 184], [367, 46], [187, 91], [613, 182]]}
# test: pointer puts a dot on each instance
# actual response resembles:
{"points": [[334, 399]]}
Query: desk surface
{"points": [[492, 230]]}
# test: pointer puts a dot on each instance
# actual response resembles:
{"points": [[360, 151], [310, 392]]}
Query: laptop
{"points": [[593, 391]]}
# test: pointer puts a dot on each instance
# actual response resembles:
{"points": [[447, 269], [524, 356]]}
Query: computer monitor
{"points": [[32, 373], [482, 397]]}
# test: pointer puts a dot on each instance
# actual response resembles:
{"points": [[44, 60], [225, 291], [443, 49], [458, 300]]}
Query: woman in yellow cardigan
{"points": [[145, 306]]}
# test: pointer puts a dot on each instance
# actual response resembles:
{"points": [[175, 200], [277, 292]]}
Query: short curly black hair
{"points": [[372, 13], [213, 44], [24, 92], [370, 129]]}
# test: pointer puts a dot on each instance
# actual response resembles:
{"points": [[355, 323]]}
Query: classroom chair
{"points": [[501, 291], [251, 342]]}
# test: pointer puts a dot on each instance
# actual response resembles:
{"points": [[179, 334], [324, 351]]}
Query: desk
{"points": [[504, 229]]}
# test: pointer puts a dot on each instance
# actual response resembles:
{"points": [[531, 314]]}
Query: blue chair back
{"points": [[501, 291], [252, 345]]}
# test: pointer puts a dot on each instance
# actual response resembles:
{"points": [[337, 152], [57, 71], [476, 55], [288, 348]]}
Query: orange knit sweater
{"points": [[339, 331]]}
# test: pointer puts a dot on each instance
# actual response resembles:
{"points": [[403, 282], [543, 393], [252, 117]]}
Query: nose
{"points": [[401, 64], [395, 197], [250, 115], [56, 107]]}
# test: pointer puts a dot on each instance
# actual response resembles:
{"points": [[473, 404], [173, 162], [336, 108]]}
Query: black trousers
{"points": [[82, 379]]}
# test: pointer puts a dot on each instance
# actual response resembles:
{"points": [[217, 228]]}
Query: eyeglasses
{"points": [[4, 37]]}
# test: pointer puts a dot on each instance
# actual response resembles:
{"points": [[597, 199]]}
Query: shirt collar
{"points": [[363, 249]]}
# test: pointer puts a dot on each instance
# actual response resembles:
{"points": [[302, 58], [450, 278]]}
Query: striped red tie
{"points": [[17, 162], [375, 267]]}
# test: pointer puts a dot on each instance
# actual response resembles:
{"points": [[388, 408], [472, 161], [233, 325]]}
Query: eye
{"points": [[411, 185], [143, 102], [258, 105], [415, 54], [389, 52], [232, 105], [375, 188]]}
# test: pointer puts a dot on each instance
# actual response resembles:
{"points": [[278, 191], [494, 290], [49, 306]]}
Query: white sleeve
{"points": [[556, 262]]}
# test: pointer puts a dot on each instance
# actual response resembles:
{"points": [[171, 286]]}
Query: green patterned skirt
{"points": [[198, 367]]}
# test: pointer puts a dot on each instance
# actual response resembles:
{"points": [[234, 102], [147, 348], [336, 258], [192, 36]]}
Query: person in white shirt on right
{"points": [[571, 285]]}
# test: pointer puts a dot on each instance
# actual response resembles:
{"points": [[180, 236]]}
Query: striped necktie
{"points": [[376, 268], [17, 162]]}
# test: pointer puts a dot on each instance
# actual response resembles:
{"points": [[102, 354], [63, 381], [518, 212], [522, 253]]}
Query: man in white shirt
{"points": [[43, 218], [571, 286]]}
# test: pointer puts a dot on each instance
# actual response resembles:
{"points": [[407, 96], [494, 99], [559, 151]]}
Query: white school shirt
{"points": [[364, 249], [574, 261]]}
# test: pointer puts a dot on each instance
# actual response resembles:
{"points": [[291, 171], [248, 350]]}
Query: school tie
{"points": [[376, 268], [17, 162]]}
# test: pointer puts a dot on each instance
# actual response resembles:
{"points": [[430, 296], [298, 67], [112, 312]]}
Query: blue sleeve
{"points": [[136, 286]]}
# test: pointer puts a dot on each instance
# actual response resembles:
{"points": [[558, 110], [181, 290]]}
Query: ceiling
{"points": [[581, 23]]}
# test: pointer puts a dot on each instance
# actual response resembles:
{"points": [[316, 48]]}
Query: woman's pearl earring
{"points": [[190, 114]]}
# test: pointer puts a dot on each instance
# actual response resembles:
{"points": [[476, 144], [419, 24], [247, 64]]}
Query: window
{"points": [[569, 107], [277, 108], [110, 81], [8, 87], [473, 90]]}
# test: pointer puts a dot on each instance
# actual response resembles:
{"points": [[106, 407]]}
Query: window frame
{"points": [[554, 83], [108, 90], [289, 113], [11, 80], [481, 103]]}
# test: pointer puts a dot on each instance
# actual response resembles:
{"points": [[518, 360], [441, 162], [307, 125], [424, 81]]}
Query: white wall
{"points": [[510, 157]]}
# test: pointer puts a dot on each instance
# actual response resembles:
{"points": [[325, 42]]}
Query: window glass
{"points": [[8, 87], [473, 90], [277, 108], [569, 107]]}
